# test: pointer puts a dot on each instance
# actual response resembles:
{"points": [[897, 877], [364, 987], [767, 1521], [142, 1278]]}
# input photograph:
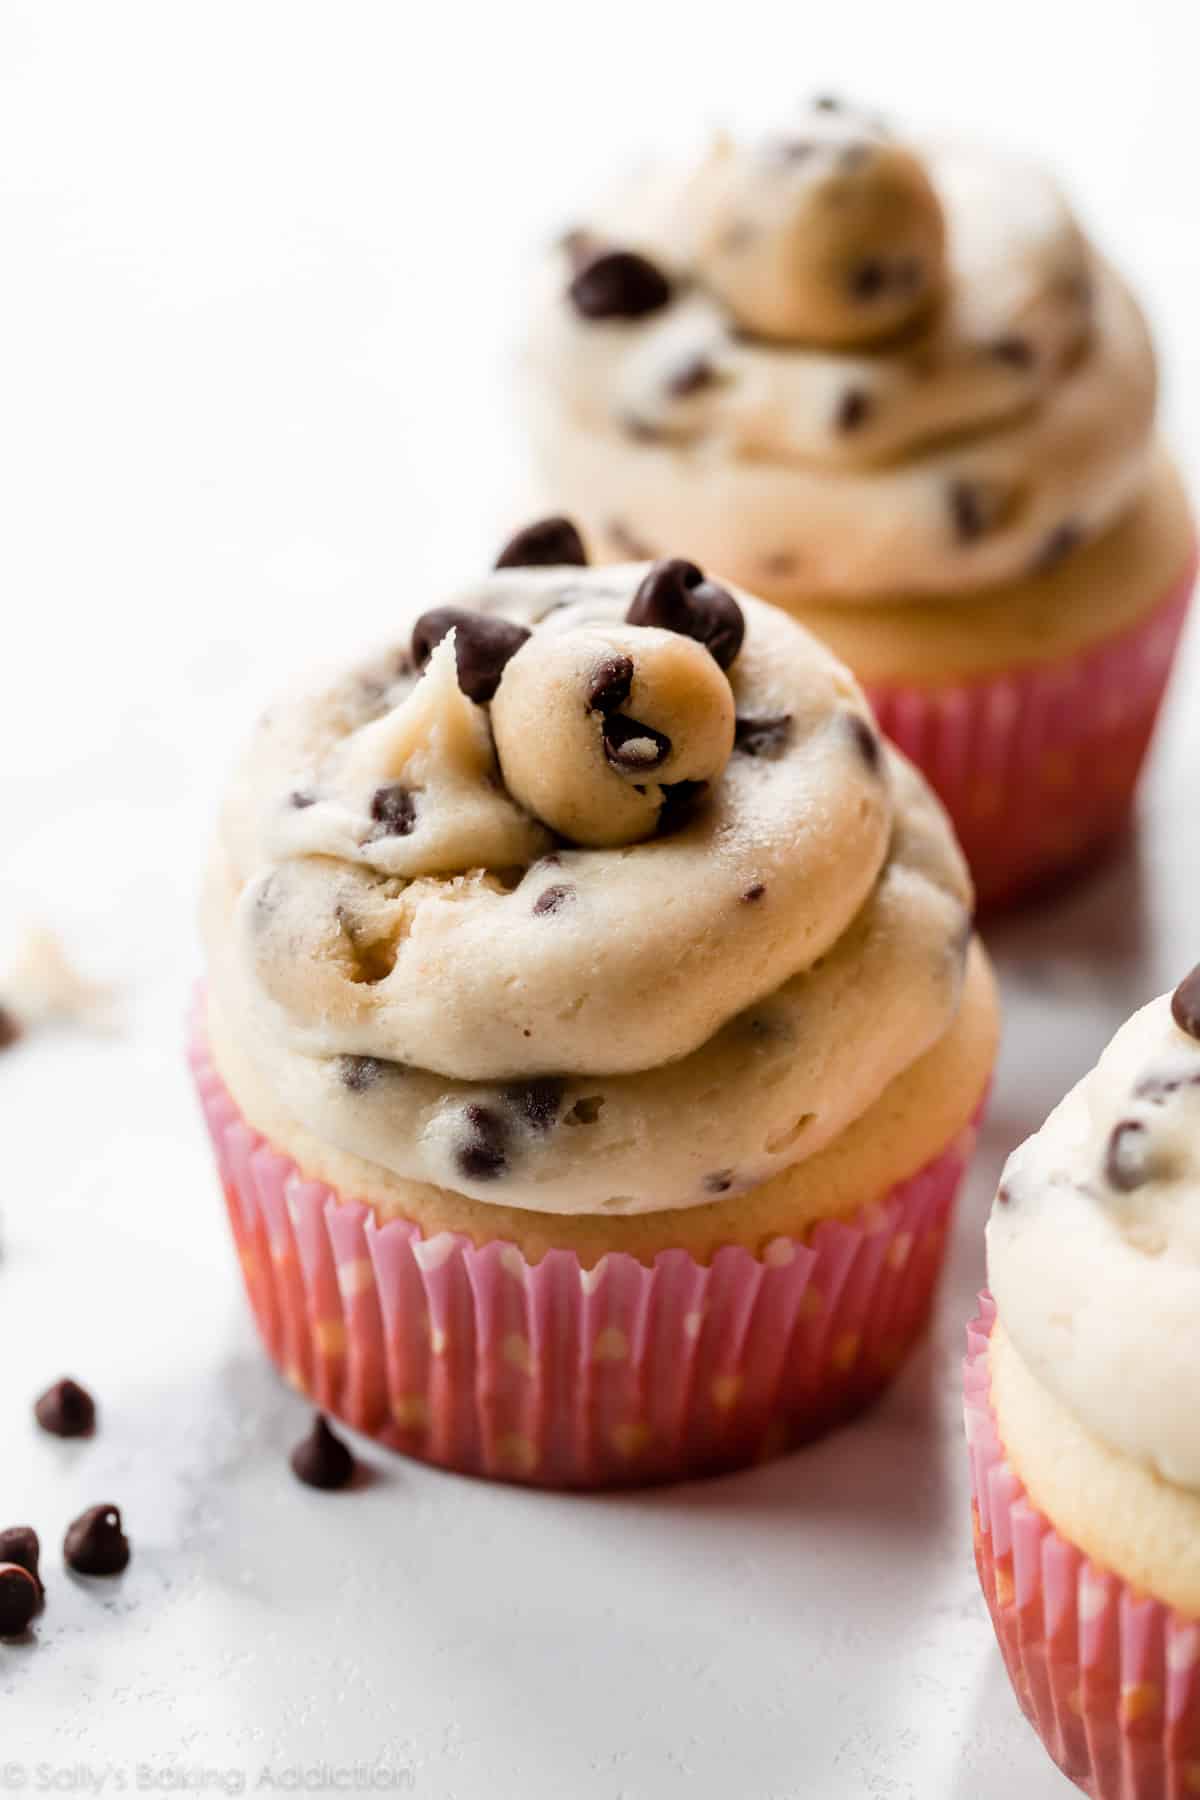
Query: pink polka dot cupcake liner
{"points": [[1038, 767], [564, 1376], [1109, 1679]]}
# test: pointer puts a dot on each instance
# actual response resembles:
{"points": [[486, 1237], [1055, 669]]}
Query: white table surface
{"points": [[260, 267]]}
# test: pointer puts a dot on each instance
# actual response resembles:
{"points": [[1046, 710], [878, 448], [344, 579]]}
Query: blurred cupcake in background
{"points": [[892, 388], [595, 1031], [1083, 1415]]}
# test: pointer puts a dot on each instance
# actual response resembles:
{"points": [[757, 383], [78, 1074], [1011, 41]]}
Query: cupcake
{"points": [[594, 1030], [1083, 1415], [893, 389]]}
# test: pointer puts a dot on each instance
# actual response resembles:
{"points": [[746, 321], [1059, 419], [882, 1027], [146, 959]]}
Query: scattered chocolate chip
{"points": [[681, 800], [300, 798], [537, 1102], [95, 1544], [358, 1073], [853, 409], [549, 544], [763, 736], [1060, 544], [866, 740], [1185, 1004], [321, 1460], [618, 284], [10, 1030], [691, 376], [483, 645], [19, 1600], [632, 747], [1013, 351], [585, 1111], [484, 1155], [675, 596], [394, 807], [754, 892], [19, 1544], [968, 514], [719, 1182], [66, 1410], [1159, 1088], [1128, 1159], [610, 685], [553, 899], [868, 280], [627, 542]]}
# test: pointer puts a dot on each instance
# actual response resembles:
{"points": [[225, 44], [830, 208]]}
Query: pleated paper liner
{"points": [[1109, 1678], [474, 1359], [1038, 767]]}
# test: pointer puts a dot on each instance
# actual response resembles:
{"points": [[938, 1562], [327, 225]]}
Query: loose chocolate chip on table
{"points": [[19, 1544], [1127, 1158], [10, 1031], [585, 1111], [632, 747], [681, 800], [865, 739], [1185, 1004], [674, 596], [66, 1410], [394, 807], [553, 899], [754, 892], [619, 284], [691, 376], [719, 1182], [19, 1600], [483, 1157], [853, 409], [1064, 539], [763, 736], [321, 1460], [358, 1073], [537, 1102], [610, 685], [549, 544], [95, 1544], [483, 645]]}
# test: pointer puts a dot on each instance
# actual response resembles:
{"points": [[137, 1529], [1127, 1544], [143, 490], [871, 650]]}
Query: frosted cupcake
{"points": [[895, 390], [594, 1030], [1083, 1415]]}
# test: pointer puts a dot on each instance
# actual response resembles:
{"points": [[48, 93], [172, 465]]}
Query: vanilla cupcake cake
{"points": [[594, 1029], [1082, 1385], [893, 388]]}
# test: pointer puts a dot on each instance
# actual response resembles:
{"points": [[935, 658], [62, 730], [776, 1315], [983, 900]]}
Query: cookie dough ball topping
{"points": [[609, 734], [831, 234]]}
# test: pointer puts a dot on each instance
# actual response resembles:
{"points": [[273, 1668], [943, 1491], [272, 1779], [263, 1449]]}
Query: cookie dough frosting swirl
{"points": [[599, 894], [843, 364], [1094, 1243]]}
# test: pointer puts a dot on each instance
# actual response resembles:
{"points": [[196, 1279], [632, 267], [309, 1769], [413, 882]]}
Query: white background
{"points": [[259, 272]]}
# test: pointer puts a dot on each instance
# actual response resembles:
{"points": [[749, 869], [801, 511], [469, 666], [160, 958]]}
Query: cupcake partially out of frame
{"points": [[1083, 1416], [894, 389], [594, 1030]]}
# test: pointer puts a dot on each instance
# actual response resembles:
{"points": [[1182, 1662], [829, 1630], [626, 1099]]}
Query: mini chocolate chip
{"points": [[719, 1182], [95, 1544], [10, 1030], [1003, 1196], [548, 544], [66, 1410], [321, 1460], [967, 513], [358, 1073], [618, 284], [1185, 1004], [681, 799], [610, 685], [537, 1102], [754, 892], [1060, 544], [19, 1544], [868, 280], [19, 1600], [585, 1111], [675, 596], [483, 1157], [1014, 351], [300, 798], [1127, 1159], [394, 807], [853, 409], [763, 736], [691, 376], [634, 748], [483, 645], [866, 740], [553, 899]]}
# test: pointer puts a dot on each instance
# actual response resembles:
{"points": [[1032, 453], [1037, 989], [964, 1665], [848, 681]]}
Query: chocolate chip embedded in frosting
{"points": [[674, 596], [853, 409], [322, 1460], [1185, 1004], [1062, 542], [550, 543], [300, 798], [394, 809], [866, 741], [691, 376], [754, 893], [619, 284], [1128, 1156], [976, 507], [483, 646], [585, 1111], [611, 684], [1014, 351], [483, 1156], [537, 1102], [96, 1543], [766, 735], [553, 899], [633, 747], [358, 1073]]}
